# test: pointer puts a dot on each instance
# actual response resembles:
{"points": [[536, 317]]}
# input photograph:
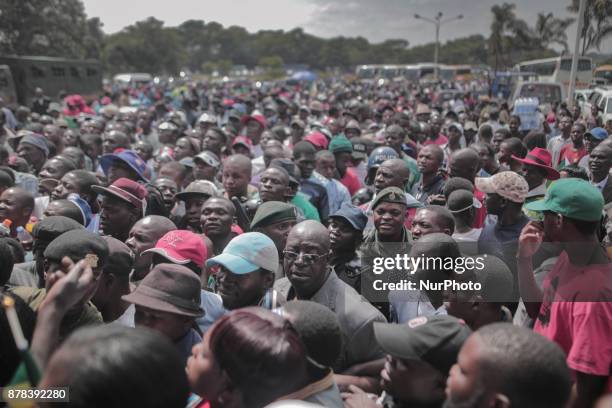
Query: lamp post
{"points": [[437, 21]]}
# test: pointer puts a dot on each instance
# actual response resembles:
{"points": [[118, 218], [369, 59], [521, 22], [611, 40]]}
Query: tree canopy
{"points": [[61, 28]]}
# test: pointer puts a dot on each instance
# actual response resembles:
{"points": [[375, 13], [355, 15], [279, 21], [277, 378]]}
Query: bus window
{"points": [[58, 71], [583, 65], [91, 72], [37, 72], [74, 71]]}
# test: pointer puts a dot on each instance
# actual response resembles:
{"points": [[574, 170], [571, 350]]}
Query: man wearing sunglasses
{"points": [[309, 277]]}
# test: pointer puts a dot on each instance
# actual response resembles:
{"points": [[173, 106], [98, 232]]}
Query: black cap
{"points": [[49, 228], [288, 166], [434, 339], [79, 244], [271, 212]]}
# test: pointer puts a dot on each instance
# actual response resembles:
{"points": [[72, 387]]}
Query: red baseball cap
{"points": [[259, 118], [181, 247], [126, 190], [318, 139]]}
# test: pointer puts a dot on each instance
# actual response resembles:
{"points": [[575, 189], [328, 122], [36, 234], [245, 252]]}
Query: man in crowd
{"points": [[342, 149], [558, 142], [431, 219], [572, 308], [504, 365], [236, 177], [246, 272], [345, 235], [34, 149], [142, 236], [325, 167], [275, 219], [600, 162], [309, 277], [537, 170], [216, 220], [16, 205], [429, 162], [123, 203], [194, 196]]}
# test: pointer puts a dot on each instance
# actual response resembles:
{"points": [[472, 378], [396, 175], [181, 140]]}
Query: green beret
{"points": [[340, 144], [390, 195], [272, 212]]}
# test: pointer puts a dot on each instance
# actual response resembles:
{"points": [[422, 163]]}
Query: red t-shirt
{"points": [[569, 155], [351, 181], [480, 213], [440, 140], [576, 313]]}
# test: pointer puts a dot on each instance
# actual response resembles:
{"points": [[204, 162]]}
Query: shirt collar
{"points": [[600, 186]]}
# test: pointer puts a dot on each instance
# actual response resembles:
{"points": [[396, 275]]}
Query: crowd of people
{"points": [[215, 246]]}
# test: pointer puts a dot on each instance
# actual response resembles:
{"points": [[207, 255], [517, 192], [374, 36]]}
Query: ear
{"points": [[499, 401], [268, 280]]}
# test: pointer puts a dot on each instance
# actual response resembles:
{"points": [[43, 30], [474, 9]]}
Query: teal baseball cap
{"points": [[248, 253], [573, 198]]}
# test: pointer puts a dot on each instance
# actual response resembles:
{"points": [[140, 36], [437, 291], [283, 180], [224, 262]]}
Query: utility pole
{"points": [[437, 21], [572, 83]]}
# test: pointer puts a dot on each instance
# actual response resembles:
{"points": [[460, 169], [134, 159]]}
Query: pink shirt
{"points": [[576, 313]]}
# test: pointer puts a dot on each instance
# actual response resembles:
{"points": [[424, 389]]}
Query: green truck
{"points": [[21, 75]]}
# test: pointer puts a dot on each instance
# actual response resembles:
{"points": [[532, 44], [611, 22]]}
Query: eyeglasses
{"points": [[307, 259]]}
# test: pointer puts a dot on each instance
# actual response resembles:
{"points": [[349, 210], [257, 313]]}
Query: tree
{"points": [[145, 46], [597, 22], [550, 30], [44, 27], [272, 66]]}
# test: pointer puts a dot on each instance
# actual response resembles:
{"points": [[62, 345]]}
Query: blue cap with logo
{"points": [[129, 157], [248, 253], [598, 133]]}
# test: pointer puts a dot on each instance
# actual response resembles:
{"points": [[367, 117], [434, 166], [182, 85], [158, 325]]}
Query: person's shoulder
{"points": [[355, 307], [33, 297]]}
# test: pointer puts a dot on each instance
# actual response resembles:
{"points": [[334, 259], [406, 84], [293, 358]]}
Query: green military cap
{"points": [[389, 195], [340, 144], [272, 212]]}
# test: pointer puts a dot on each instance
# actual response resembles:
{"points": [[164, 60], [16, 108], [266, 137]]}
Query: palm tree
{"points": [[597, 22], [509, 35], [550, 30]]}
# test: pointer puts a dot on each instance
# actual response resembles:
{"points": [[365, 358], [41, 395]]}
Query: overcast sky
{"points": [[375, 20]]}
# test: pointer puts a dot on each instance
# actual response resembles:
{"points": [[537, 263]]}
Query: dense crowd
{"points": [[241, 245]]}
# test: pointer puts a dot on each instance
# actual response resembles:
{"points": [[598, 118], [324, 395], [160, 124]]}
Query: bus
{"points": [[21, 75], [557, 69], [603, 75]]}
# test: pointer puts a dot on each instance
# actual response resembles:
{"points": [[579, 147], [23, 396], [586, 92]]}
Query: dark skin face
{"points": [[53, 168], [253, 131], [67, 185], [212, 141], [392, 173], [13, 206], [436, 123], [326, 166], [513, 125], [565, 125], [183, 149], [497, 140], [119, 169], [428, 160], [278, 233], [236, 177], [112, 140], [464, 385], [389, 220], [534, 175], [142, 236], [216, 218], [600, 161], [91, 145], [202, 171], [168, 189], [117, 217], [454, 136], [505, 153], [413, 382], [307, 273], [577, 136], [343, 161], [426, 222], [144, 150], [394, 138], [274, 185], [495, 204], [33, 155], [238, 291], [170, 325], [590, 142], [306, 164], [342, 236], [193, 210]]}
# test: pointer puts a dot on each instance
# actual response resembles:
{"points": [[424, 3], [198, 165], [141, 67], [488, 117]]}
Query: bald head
{"points": [[435, 150], [310, 230], [157, 225], [392, 173], [144, 235], [239, 162]]}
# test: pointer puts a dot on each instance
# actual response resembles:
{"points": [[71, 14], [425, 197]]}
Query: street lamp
{"points": [[437, 21]]}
